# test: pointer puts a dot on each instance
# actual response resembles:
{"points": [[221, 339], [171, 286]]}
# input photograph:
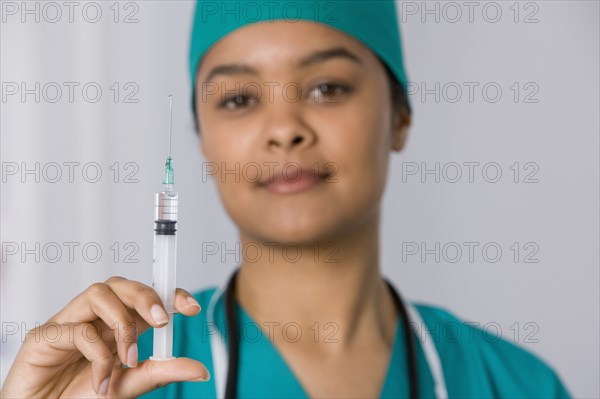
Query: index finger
{"points": [[147, 303]]}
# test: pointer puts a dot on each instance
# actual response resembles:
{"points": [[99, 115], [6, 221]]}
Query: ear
{"points": [[401, 124]]}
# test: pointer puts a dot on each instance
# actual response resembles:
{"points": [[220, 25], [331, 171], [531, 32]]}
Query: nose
{"points": [[286, 130]]}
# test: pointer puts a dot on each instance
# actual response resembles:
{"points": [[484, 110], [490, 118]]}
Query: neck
{"points": [[336, 282]]}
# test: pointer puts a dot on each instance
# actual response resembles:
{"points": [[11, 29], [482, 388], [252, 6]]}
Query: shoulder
{"points": [[478, 359]]}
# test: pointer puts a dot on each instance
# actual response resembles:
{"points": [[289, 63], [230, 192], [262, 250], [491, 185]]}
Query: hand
{"points": [[96, 334]]}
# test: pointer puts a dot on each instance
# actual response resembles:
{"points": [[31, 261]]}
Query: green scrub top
{"points": [[476, 363]]}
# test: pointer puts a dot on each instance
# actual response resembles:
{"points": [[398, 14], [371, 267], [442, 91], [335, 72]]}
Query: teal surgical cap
{"points": [[372, 22]]}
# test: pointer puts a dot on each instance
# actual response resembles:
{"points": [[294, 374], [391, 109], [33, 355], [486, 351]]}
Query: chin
{"points": [[295, 230]]}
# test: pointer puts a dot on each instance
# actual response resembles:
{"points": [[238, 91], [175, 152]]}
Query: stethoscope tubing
{"points": [[226, 362]]}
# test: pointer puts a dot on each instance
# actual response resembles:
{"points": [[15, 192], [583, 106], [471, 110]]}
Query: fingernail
{"points": [[158, 314], [200, 379], [103, 390], [132, 355], [192, 301]]}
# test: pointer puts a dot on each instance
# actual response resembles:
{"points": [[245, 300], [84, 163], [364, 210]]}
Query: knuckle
{"points": [[98, 289], [114, 279]]}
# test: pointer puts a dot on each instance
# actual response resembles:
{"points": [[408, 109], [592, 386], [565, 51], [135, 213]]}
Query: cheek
{"points": [[359, 143], [230, 164]]}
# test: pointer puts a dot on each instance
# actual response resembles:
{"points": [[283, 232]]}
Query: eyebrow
{"points": [[316, 57]]}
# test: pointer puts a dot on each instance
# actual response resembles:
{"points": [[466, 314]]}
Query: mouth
{"points": [[293, 180]]}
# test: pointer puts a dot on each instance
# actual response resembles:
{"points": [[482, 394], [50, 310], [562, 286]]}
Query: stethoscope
{"points": [[226, 363]]}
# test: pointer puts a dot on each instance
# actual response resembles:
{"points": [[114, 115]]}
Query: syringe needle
{"points": [[170, 121], [168, 178]]}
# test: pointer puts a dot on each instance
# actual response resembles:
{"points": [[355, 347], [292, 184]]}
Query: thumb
{"points": [[152, 374]]}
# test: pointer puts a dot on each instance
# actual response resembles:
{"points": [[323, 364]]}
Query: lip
{"points": [[293, 181]]}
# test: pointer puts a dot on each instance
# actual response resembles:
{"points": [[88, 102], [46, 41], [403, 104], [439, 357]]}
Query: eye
{"points": [[329, 92], [236, 101]]}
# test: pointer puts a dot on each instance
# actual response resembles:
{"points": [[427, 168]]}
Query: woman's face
{"points": [[273, 98]]}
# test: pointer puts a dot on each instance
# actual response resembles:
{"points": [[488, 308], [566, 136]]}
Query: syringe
{"points": [[165, 253]]}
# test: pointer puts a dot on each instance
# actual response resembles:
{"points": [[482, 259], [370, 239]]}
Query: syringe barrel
{"points": [[165, 247], [165, 206], [164, 267]]}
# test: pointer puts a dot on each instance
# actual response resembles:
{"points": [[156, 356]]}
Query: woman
{"points": [[326, 94]]}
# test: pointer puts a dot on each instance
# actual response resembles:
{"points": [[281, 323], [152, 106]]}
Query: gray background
{"points": [[554, 54]]}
